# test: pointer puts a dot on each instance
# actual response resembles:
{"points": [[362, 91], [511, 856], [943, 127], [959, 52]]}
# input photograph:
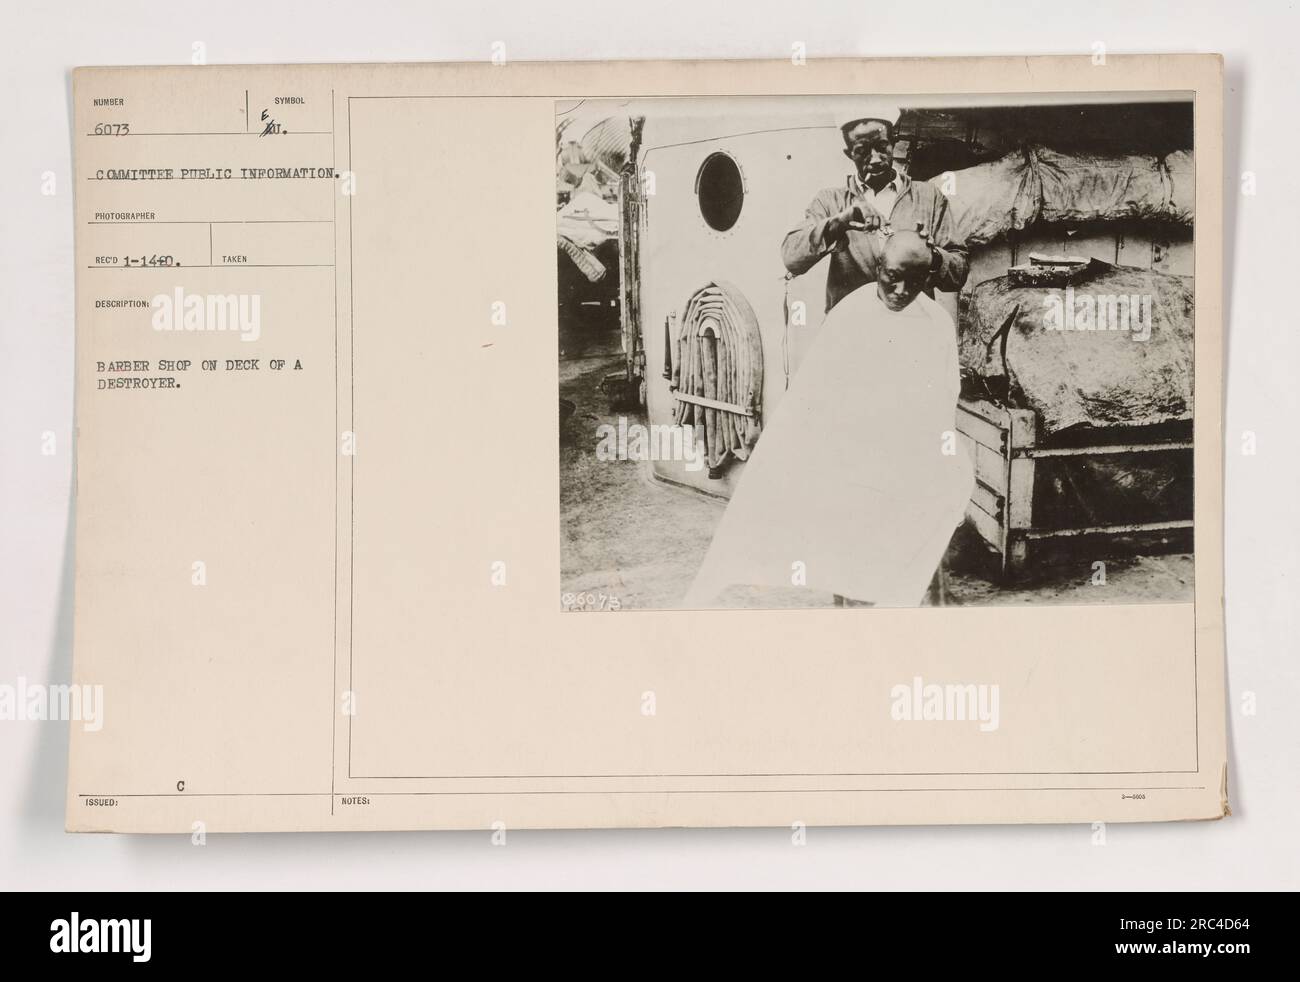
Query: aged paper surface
{"points": [[318, 559]]}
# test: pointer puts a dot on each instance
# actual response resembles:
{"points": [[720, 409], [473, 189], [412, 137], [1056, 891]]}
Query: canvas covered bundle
{"points": [[1037, 184], [1113, 349]]}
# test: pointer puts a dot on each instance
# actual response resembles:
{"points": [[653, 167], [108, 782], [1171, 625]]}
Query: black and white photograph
{"points": [[875, 351]]}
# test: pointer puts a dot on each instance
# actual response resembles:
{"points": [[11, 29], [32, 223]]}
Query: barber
{"points": [[846, 222]]}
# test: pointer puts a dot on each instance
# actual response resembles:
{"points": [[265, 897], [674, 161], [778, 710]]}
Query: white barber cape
{"points": [[850, 477]]}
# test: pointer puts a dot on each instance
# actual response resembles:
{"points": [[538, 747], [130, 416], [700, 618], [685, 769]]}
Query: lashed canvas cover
{"points": [[1100, 377], [1039, 184]]}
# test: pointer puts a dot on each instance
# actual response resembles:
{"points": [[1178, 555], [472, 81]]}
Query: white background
{"points": [[1255, 848]]}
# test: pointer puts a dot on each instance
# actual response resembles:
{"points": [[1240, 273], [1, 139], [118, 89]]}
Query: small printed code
{"points": [[590, 601]]}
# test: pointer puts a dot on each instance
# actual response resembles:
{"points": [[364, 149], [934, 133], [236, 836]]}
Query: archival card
{"points": [[644, 444]]}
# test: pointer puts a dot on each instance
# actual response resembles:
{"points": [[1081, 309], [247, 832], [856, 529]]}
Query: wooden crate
{"points": [[1004, 445]]}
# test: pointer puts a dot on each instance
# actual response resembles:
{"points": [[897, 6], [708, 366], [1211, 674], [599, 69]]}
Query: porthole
{"points": [[721, 191]]}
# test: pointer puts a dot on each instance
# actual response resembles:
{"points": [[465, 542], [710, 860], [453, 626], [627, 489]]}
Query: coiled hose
{"points": [[717, 377]]}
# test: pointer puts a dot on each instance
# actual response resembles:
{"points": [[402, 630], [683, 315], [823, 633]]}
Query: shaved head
{"points": [[906, 249], [904, 269]]}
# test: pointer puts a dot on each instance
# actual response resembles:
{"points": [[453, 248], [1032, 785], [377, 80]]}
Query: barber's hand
{"points": [[934, 251], [861, 216], [925, 237]]}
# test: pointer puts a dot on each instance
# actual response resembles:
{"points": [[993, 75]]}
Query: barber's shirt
{"points": [[882, 200]]}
